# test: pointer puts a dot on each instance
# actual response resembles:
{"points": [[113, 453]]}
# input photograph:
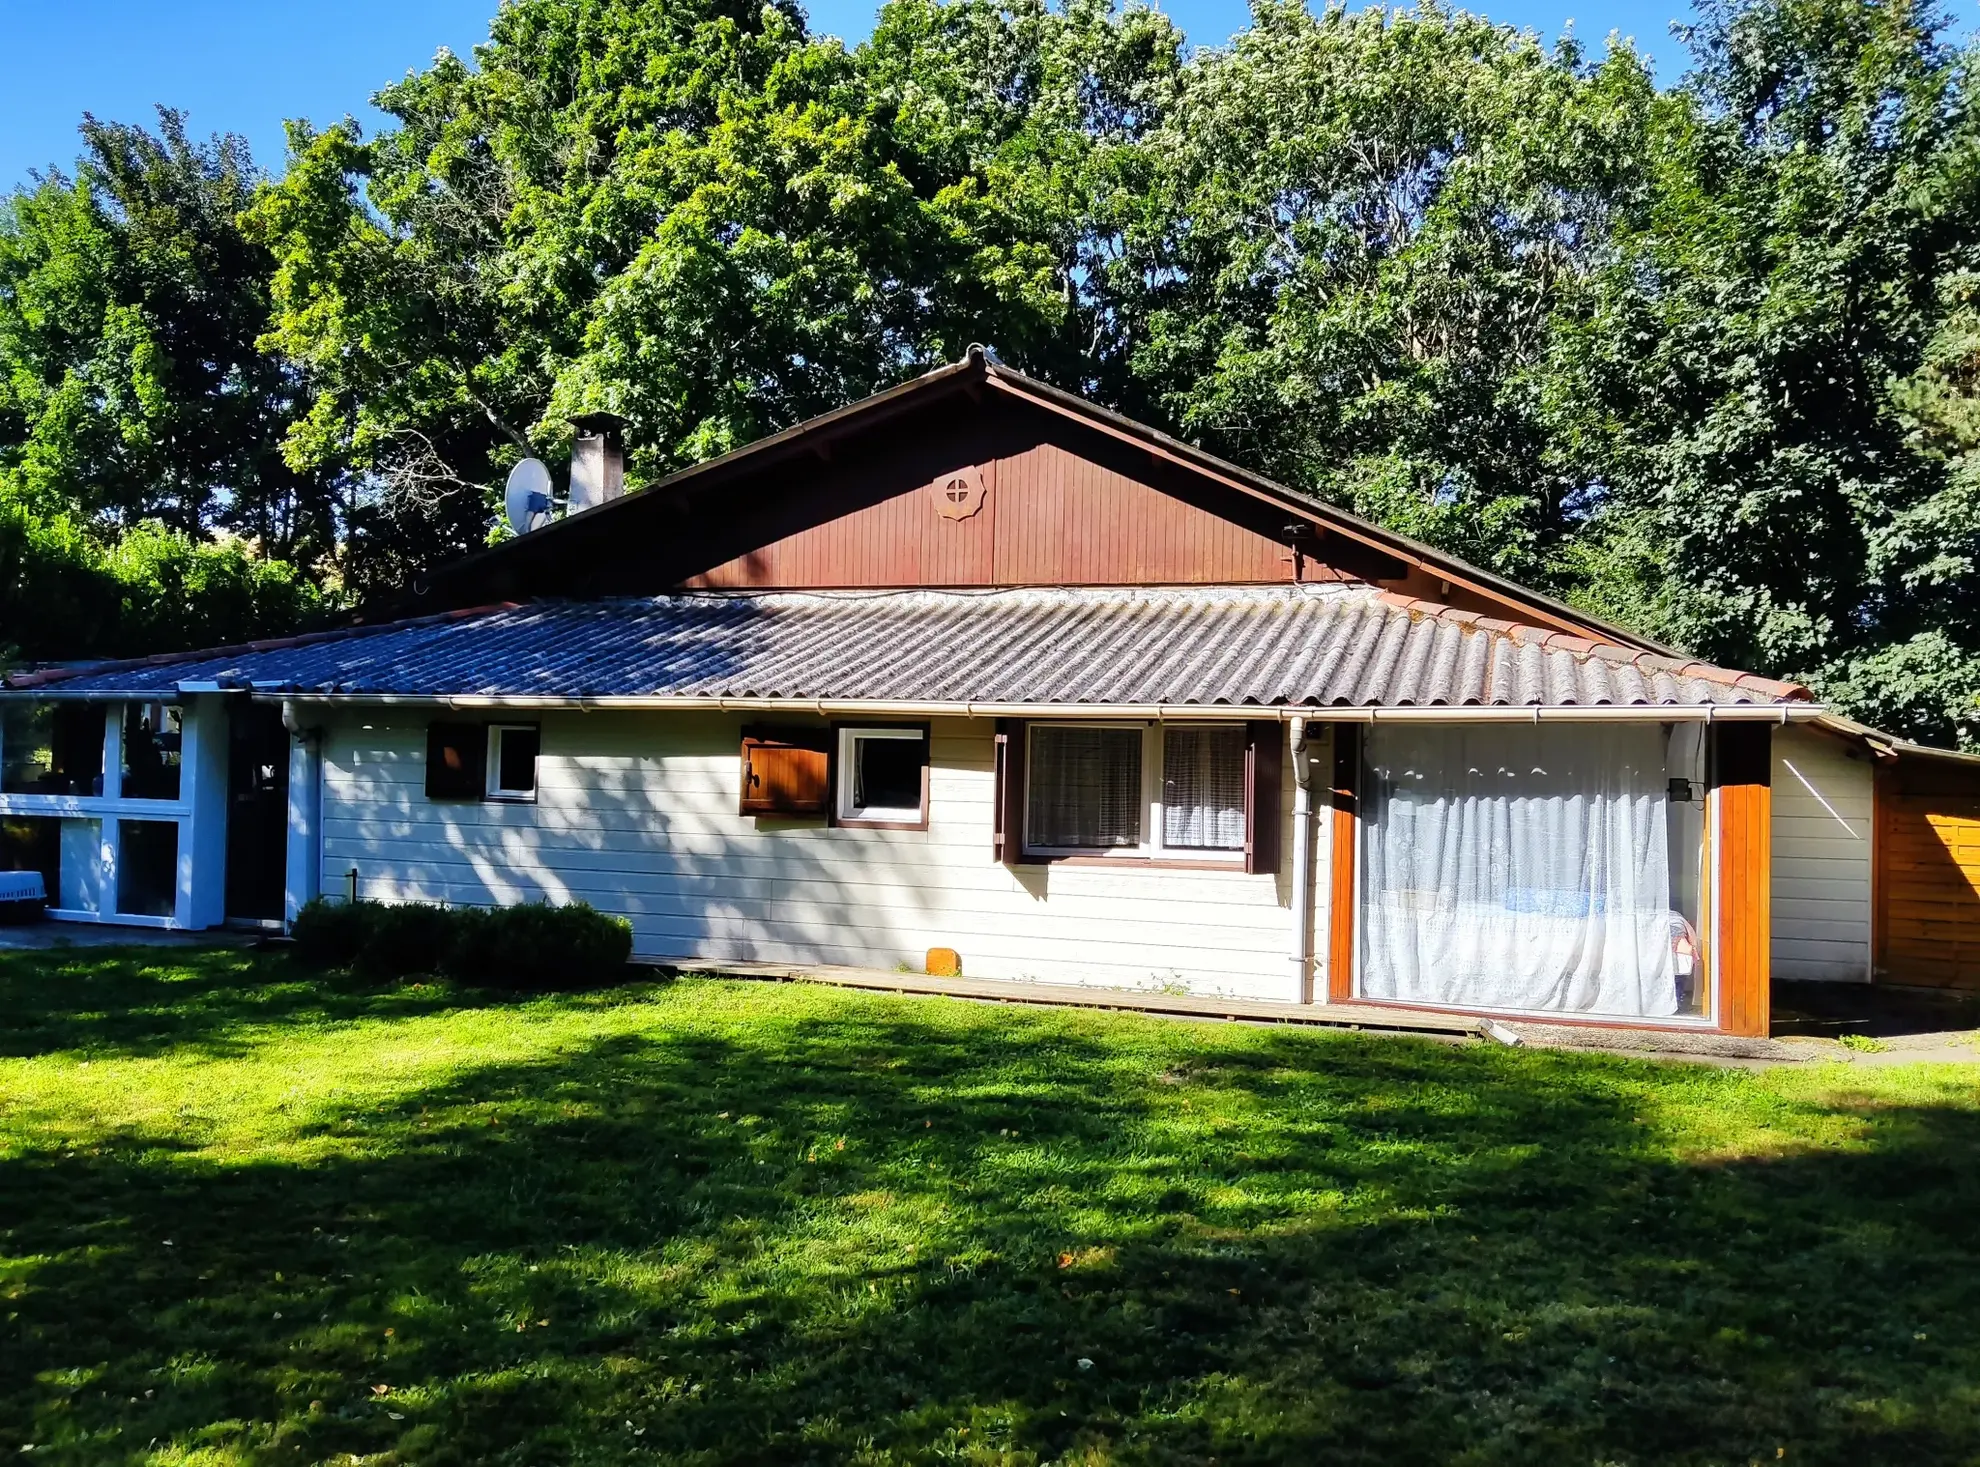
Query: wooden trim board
{"points": [[1341, 855], [1742, 795]]}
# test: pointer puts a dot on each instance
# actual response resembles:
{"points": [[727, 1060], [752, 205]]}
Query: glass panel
{"points": [[1539, 868], [1203, 788], [1085, 788], [515, 760], [147, 867], [83, 863], [153, 734], [34, 843], [51, 748], [887, 773]]}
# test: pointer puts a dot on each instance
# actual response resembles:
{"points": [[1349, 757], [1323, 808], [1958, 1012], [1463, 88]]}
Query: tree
{"points": [[138, 417], [131, 385], [1702, 359], [1756, 499], [1347, 247], [690, 214], [1024, 124]]}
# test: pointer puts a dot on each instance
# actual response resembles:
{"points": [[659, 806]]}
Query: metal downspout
{"points": [[1302, 860]]}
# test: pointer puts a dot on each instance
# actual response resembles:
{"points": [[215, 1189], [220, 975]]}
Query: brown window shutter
{"points": [[1007, 838], [786, 771], [1263, 751], [456, 761]]}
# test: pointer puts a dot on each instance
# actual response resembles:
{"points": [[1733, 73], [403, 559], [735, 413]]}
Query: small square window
{"points": [[512, 749], [882, 776]]}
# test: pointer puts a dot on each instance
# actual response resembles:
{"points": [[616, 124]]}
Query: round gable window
{"points": [[959, 493]]}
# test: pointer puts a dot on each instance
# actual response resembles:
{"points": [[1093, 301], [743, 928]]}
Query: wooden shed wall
{"points": [[850, 506], [1928, 874]]}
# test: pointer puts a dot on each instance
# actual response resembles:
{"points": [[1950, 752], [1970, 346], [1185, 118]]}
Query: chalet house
{"points": [[974, 664]]}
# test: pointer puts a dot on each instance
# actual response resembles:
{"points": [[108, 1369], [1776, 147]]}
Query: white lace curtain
{"points": [[1203, 788], [1518, 866]]}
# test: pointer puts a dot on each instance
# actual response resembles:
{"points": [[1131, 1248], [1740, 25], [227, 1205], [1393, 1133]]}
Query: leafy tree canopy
{"points": [[1701, 358]]}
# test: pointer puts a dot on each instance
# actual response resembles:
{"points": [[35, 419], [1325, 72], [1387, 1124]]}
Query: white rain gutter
{"points": [[863, 707], [1302, 859]]}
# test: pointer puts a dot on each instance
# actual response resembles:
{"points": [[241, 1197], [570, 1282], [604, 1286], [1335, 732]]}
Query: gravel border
{"points": [[1653, 1042]]}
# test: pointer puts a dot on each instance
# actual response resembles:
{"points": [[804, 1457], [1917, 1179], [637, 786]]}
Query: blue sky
{"points": [[244, 65]]}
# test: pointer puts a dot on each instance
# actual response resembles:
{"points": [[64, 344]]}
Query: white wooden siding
{"points": [[1824, 812], [636, 814]]}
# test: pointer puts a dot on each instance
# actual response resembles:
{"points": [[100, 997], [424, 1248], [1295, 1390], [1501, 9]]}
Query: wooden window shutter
{"points": [[456, 761], [1263, 758], [1007, 817], [786, 771]]}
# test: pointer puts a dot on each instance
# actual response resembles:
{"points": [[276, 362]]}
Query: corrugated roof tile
{"points": [[1313, 645]]}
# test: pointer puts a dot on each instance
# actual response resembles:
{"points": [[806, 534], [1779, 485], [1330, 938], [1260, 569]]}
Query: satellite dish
{"points": [[527, 498]]}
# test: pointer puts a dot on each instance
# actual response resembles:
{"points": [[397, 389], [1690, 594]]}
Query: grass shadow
{"points": [[215, 1002], [1881, 1010], [865, 1229]]}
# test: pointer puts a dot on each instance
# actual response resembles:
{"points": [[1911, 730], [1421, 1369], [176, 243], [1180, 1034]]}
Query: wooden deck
{"points": [[1378, 1017]]}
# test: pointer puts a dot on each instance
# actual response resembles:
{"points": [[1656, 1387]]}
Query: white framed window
{"points": [[512, 751], [1133, 790], [882, 776]]}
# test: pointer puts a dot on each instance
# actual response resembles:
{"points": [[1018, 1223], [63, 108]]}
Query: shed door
{"points": [[1928, 878]]}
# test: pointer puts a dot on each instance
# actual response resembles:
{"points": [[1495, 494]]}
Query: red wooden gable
{"points": [[971, 476], [1047, 517]]}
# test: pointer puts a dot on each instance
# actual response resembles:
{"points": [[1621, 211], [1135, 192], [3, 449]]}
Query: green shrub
{"points": [[403, 938], [331, 934], [533, 946], [538, 946]]}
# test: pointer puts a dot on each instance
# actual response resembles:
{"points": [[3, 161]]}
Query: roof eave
{"points": [[1781, 712]]}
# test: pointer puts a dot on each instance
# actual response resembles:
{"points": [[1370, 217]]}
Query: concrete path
{"points": [[41, 936]]}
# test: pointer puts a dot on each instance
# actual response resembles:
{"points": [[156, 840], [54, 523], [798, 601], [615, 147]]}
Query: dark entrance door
{"points": [[257, 812]]}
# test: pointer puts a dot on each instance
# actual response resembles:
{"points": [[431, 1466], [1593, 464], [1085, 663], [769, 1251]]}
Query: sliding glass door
{"points": [[1547, 868]]}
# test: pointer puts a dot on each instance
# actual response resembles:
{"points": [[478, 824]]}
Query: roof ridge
{"points": [[1282, 590], [50, 676], [1551, 640]]}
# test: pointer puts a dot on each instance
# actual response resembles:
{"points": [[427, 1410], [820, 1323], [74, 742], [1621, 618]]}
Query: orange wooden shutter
{"points": [[786, 771], [456, 761]]}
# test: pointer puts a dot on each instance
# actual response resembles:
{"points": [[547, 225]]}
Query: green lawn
{"points": [[251, 1217]]}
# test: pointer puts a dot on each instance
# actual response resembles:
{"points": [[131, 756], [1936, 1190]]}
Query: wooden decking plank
{"points": [[1070, 995]]}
